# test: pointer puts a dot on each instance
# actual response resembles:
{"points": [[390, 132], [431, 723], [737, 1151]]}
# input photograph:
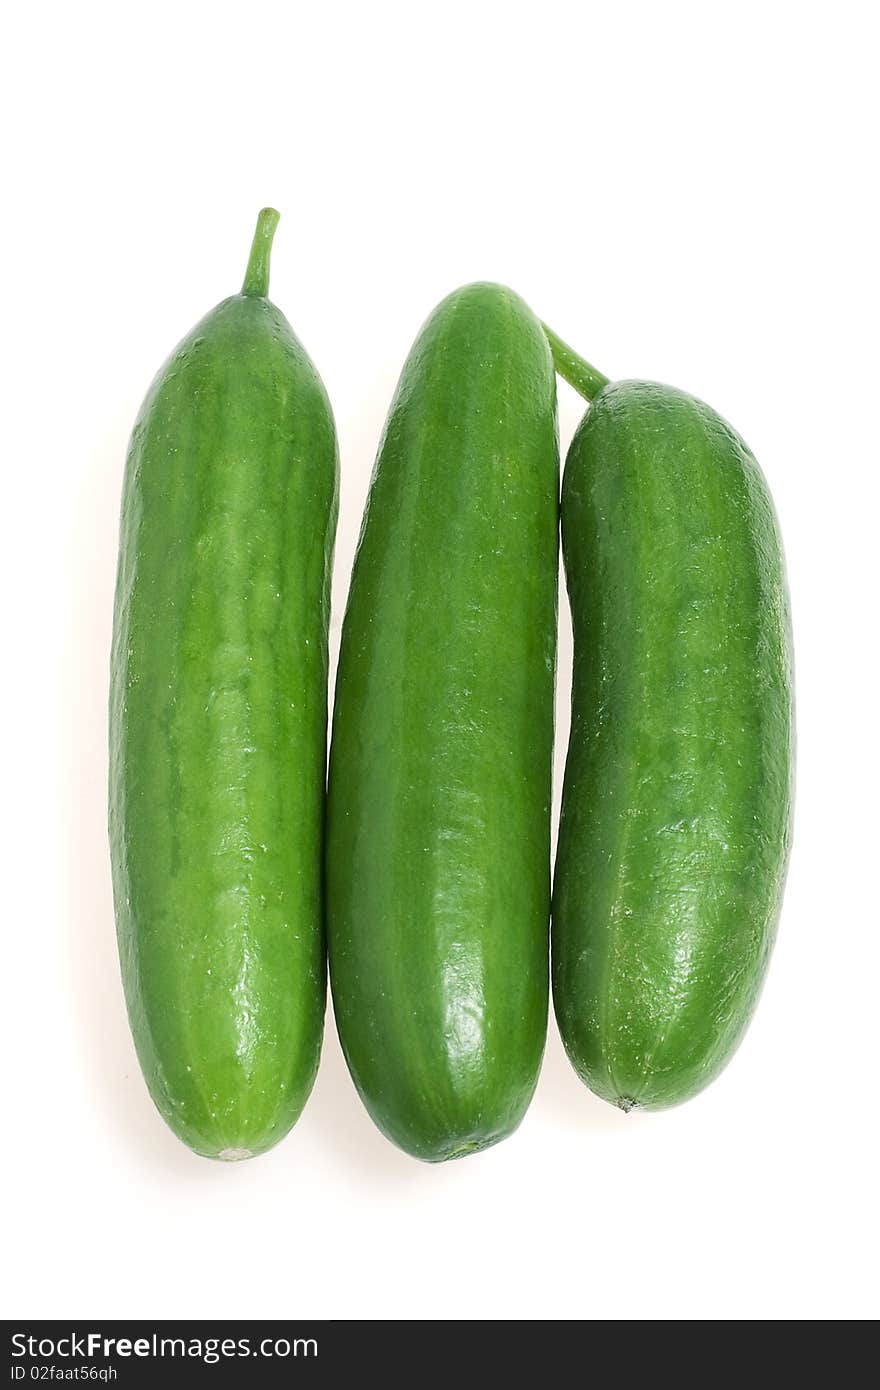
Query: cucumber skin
{"points": [[218, 728], [440, 766], [676, 814]]}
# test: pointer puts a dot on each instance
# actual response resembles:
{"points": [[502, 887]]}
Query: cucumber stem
{"points": [[256, 277], [586, 380]]}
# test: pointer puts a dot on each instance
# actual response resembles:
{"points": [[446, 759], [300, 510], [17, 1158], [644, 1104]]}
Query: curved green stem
{"points": [[256, 277], [586, 380]]}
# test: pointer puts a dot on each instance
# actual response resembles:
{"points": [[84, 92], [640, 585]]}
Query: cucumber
{"points": [[218, 717], [438, 842], [676, 809]]}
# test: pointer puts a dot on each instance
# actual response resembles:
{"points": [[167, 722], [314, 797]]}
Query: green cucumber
{"points": [[676, 807], [440, 766], [218, 719]]}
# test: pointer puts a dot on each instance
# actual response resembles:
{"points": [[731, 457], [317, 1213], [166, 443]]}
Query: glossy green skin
{"points": [[218, 728], [677, 799], [440, 766]]}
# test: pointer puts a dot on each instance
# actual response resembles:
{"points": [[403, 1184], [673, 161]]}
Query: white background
{"points": [[685, 191]]}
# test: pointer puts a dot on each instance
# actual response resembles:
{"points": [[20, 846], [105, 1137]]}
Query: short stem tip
{"points": [[256, 279], [626, 1104], [586, 379]]}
